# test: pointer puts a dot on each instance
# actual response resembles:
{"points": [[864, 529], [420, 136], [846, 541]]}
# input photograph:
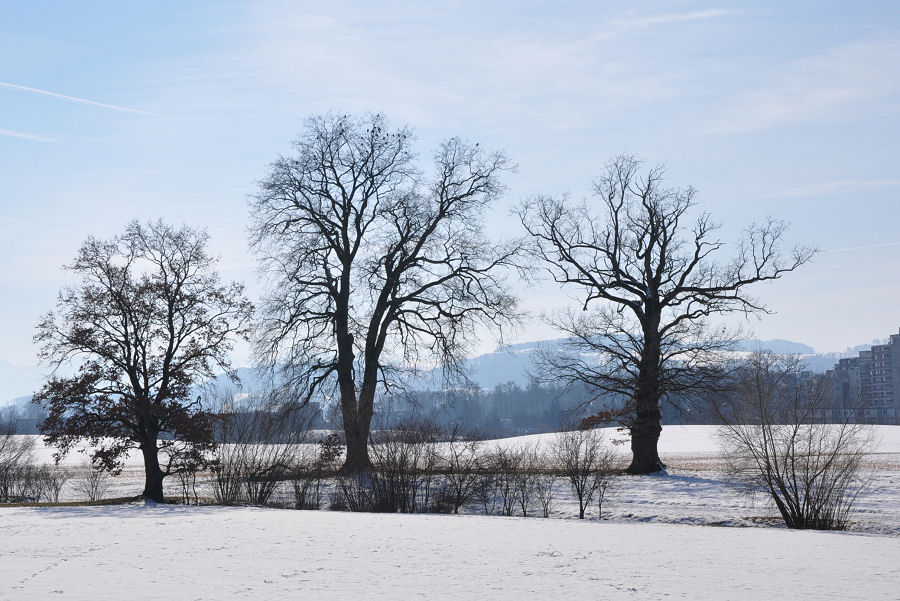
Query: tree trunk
{"points": [[646, 428], [644, 438], [153, 475], [357, 459], [356, 431]]}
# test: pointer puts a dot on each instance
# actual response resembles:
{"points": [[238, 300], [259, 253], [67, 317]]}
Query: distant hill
{"points": [[511, 363], [514, 362], [17, 380], [779, 346]]}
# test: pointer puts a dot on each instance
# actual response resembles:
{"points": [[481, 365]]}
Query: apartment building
{"points": [[867, 387]]}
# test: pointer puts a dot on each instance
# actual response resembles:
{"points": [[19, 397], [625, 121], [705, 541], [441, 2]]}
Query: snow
{"points": [[678, 441], [691, 491], [174, 552], [700, 440], [656, 541]]}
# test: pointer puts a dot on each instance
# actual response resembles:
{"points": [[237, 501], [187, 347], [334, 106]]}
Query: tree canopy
{"points": [[146, 320], [372, 264], [649, 280]]}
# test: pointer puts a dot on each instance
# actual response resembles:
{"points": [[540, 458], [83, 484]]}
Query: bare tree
{"points": [[652, 282], [16, 454], [370, 265], [776, 441], [147, 319], [578, 454], [91, 480]]}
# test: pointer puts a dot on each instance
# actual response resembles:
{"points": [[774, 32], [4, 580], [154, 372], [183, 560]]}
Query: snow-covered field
{"points": [[692, 491], [217, 553], [656, 541]]}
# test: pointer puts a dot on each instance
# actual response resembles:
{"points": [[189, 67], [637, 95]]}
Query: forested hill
{"points": [[512, 363]]}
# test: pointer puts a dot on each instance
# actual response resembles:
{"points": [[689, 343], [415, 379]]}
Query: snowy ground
{"points": [[692, 491], [656, 541], [216, 553]]}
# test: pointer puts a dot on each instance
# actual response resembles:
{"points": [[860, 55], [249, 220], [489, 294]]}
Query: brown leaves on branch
{"points": [[147, 319]]}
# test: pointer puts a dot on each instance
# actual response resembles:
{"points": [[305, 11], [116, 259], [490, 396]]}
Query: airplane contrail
{"points": [[881, 245], [26, 136], [114, 107]]}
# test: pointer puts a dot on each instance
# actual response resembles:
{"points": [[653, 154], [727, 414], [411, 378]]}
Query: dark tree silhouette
{"points": [[370, 265], [147, 319], [650, 284]]}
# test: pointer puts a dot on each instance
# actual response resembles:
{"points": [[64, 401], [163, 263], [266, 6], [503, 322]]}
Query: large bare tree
{"points": [[371, 265], [649, 284], [147, 319]]}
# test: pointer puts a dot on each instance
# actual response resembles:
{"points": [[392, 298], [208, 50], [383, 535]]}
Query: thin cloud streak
{"points": [[26, 136], [622, 26], [853, 77], [835, 187], [114, 107], [666, 18], [866, 247]]}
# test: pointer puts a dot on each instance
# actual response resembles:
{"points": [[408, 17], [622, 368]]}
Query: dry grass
{"points": [[879, 462]]}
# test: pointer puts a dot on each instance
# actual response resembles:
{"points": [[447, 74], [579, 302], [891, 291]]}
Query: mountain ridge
{"points": [[510, 363]]}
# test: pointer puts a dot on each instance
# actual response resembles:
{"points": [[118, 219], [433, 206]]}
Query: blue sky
{"points": [[114, 111]]}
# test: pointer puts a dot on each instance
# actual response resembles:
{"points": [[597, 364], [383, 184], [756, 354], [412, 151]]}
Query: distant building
{"points": [[867, 388]]}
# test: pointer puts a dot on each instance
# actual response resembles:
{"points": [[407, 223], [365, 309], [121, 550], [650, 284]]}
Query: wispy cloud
{"points": [[640, 22], [847, 78], [114, 107], [26, 136], [865, 247], [561, 80], [836, 186]]}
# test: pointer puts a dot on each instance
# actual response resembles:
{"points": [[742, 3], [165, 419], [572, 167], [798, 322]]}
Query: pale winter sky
{"points": [[114, 111]]}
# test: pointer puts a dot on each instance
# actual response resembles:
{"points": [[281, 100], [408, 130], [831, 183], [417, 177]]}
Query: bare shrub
{"points": [[312, 471], [605, 473], [577, 454], [91, 481], [404, 471], [26, 484], [462, 466], [545, 493], [53, 479], [775, 442], [187, 478], [514, 474], [526, 476], [260, 447], [357, 491], [486, 491], [16, 456], [21, 480], [543, 483], [504, 464], [404, 465], [336, 501]]}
